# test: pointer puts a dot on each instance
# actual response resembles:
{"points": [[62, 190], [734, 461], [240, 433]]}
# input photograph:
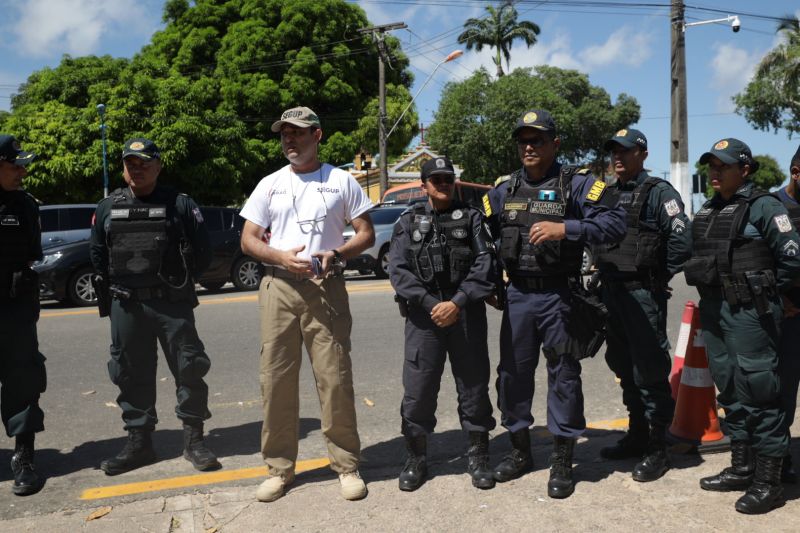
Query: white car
{"points": [[376, 258]]}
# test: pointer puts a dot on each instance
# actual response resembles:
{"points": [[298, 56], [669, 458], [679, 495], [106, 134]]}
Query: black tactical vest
{"points": [[527, 204], [141, 238], [441, 254], [643, 247], [719, 247], [16, 232]]}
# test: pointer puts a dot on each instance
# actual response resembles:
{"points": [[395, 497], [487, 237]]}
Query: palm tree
{"points": [[498, 30], [784, 59]]}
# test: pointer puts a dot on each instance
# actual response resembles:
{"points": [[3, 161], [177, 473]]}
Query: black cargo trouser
{"points": [[135, 327], [426, 349]]}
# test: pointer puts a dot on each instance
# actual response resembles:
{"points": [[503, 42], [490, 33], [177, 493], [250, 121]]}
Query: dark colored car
{"points": [[63, 224], [65, 271]]}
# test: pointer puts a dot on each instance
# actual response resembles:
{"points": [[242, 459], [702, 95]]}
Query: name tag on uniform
{"points": [[138, 213], [9, 220], [730, 209], [516, 206]]}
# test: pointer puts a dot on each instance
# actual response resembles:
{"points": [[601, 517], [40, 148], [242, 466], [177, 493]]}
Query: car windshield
{"points": [[385, 215]]}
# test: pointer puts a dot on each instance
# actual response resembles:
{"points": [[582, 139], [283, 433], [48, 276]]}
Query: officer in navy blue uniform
{"points": [[22, 371], [544, 215], [635, 273], [788, 352], [441, 262], [148, 244]]}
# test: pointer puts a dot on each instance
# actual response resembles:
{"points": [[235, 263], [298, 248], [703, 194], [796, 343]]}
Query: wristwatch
{"points": [[338, 257]]}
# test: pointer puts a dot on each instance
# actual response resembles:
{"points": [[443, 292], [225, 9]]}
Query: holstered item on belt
{"points": [[118, 292], [588, 323], [402, 305], [24, 284], [762, 286], [101, 290], [744, 290]]}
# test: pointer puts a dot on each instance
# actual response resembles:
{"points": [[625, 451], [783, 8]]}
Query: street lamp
{"points": [[451, 56], [101, 110]]}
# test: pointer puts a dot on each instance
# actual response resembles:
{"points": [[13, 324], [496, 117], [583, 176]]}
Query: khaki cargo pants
{"points": [[315, 313]]}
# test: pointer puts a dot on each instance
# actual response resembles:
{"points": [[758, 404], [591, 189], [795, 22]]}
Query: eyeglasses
{"points": [[436, 180], [307, 226], [536, 142]]}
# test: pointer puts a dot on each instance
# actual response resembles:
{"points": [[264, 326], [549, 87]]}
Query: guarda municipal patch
{"points": [[596, 191]]}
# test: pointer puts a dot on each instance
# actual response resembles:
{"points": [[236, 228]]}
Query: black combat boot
{"points": [[766, 491], [195, 450], [478, 455], [415, 471], [138, 452], [788, 474], [656, 462], [560, 484], [738, 476], [632, 446], [26, 480], [518, 461]]}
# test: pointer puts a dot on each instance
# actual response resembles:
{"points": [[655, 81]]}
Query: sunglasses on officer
{"points": [[439, 179], [535, 142]]}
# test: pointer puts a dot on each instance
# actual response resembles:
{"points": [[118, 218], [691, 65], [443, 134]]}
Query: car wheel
{"points": [[246, 274], [382, 269], [80, 290], [212, 285], [587, 261]]}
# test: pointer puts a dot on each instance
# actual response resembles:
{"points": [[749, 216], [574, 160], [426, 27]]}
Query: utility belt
{"points": [[644, 279], [143, 294], [748, 289], [540, 282], [19, 284]]}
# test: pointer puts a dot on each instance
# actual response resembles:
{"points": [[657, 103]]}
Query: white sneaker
{"points": [[273, 487], [353, 487]]}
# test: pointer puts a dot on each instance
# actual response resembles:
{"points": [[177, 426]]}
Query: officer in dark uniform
{"points": [[148, 244], [544, 215], [441, 262], [634, 275], [744, 257], [22, 371], [788, 353]]}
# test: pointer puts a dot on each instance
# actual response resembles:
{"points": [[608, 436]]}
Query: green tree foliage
{"points": [[498, 30], [206, 89], [477, 116], [768, 175], [772, 98]]}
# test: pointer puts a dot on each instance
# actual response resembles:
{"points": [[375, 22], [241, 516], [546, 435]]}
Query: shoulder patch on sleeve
{"points": [[783, 223], [487, 205], [597, 190], [671, 207]]}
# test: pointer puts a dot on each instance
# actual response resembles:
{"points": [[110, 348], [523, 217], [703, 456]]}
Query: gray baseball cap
{"points": [[302, 117]]}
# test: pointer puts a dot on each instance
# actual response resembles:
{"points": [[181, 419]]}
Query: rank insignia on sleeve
{"points": [[672, 208], [790, 249], [596, 191], [783, 223], [487, 205]]}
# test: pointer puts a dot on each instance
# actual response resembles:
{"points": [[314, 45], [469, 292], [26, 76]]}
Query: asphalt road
{"points": [[83, 423]]}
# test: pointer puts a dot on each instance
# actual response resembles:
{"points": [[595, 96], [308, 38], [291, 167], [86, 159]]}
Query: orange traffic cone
{"points": [[680, 348], [695, 421]]}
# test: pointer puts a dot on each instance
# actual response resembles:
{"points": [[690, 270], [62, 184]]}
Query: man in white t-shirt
{"points": [[303, 300]]}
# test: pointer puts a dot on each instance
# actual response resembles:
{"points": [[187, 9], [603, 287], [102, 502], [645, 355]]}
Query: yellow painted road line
{"points": [[192, 481], [373, 287], [249, 473]]}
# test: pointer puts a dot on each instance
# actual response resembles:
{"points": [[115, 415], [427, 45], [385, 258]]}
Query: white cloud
{"points": [[622, 47], [731, 70], [46, 27]]}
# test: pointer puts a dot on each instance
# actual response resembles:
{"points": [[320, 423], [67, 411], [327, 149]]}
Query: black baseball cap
{"points": [[796, 157], [731, 151], [627, 138], [141, 148], [437, 165], [536, 118], [11, 151]]}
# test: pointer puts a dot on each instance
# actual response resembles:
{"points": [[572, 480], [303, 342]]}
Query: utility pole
{"points": [[378, 34], [679, 131]]}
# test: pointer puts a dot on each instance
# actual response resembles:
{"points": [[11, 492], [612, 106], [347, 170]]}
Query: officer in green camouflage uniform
{"points": [[634, 274], [148, 245], [745, 255], [22, 371]]}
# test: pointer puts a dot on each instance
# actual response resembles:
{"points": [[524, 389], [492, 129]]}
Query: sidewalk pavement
{"points": [[605, 499]]}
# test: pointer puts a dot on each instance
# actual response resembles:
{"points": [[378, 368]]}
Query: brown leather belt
{"points": [[282, 273]]}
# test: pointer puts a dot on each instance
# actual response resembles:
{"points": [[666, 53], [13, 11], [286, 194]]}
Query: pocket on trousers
{"points": [[760, 378], [194, 365]]}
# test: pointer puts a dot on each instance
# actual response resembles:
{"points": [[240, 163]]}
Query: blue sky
{"points": [[622, 50]]}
